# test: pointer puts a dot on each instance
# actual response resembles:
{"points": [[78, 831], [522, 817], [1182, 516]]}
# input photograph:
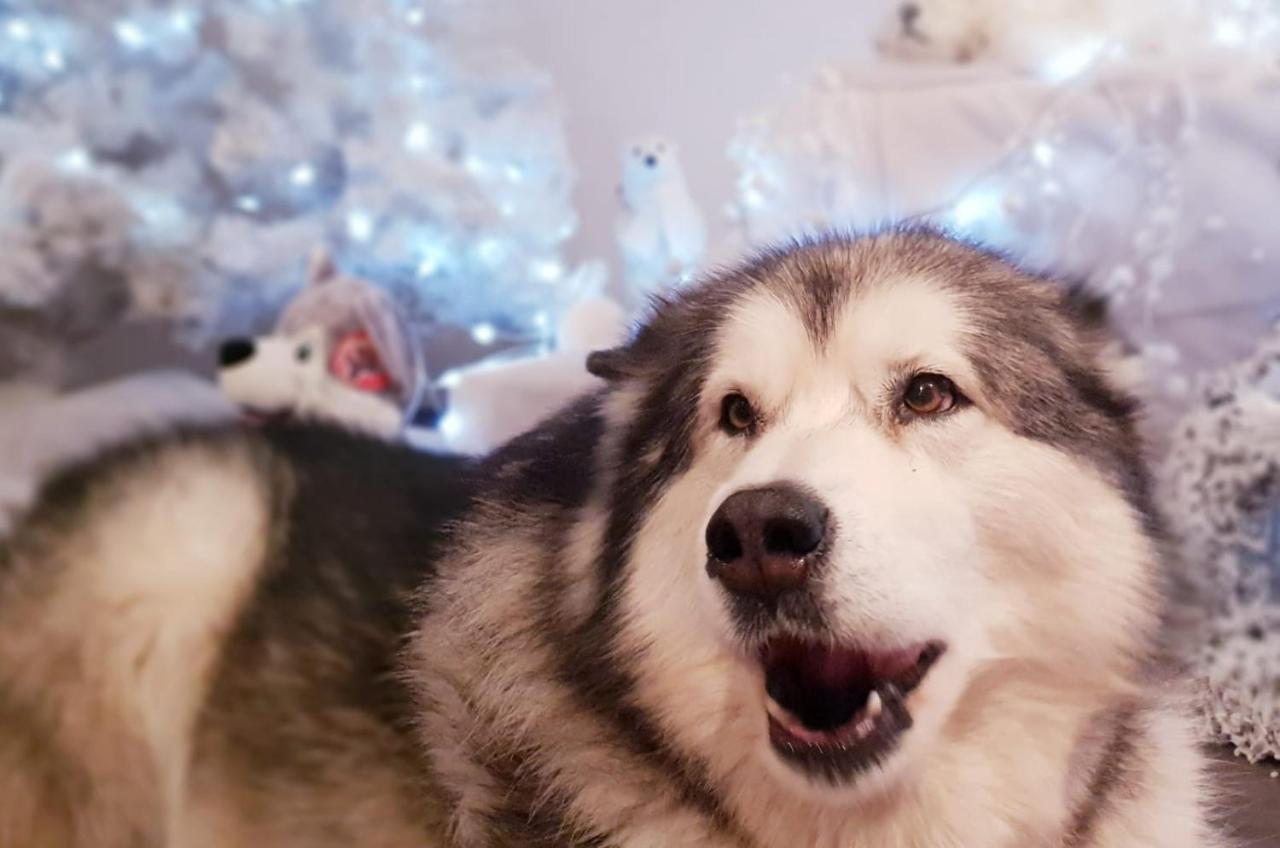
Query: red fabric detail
{"points": [[355, 361]]}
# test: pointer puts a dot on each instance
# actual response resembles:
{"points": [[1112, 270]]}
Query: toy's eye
{"points": [[931, 394], [304, 353], [737, 415]]}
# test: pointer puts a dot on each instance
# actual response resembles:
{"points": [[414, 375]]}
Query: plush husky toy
{"points": [[341, 352]]}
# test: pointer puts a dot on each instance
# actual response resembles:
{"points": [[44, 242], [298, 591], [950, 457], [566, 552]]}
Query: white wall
{"points": [[686, 69]]}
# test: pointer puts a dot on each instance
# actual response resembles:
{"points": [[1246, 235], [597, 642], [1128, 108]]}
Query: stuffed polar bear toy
{"points": [[660, 231], [341, 352]]}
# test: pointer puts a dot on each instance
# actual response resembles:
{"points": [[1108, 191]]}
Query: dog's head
{"points": [[867, 490], [311, 374], [271, 375]]}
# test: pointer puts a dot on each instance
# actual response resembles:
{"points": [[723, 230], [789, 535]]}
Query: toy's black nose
{"points": [[760, 541], [651, 161], [233, 351], [909, 13]]}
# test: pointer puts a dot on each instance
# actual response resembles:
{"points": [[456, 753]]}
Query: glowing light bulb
{"points": [[1071, 62], [418, 136], [976, 206], [75, 160], [491, 251], [547, 270], [18, 29], [130, 35], [428, 265], [248, 203], [1042, 152], [53, 59], [182, 20], [484, 334], [302, 175], [359, 225]]}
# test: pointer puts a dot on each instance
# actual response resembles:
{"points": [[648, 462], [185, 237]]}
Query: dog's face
{"points": [[880, 483], [269, 375]]}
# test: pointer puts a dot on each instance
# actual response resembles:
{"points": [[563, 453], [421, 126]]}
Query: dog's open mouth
{"points": [[836, 711]]}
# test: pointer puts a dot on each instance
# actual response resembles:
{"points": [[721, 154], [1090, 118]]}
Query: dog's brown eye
{"points": [[930, 394], [736, 414], [304, 353]]}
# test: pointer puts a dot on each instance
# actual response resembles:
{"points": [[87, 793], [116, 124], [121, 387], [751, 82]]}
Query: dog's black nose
{"points": [[233, 351], [651, 161], [909, 13], [760, 541]]}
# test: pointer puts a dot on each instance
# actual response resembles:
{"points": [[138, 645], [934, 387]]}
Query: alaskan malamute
{"points": [[855, 548]]}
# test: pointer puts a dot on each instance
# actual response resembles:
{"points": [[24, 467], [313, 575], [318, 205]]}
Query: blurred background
{"points": [[417, 216]]}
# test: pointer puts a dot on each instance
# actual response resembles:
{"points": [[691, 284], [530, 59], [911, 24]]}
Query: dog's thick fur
{"points": [[232, 639]]}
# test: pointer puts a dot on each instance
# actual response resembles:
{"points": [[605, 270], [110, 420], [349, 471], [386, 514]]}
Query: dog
{"points": [[855, 547]]}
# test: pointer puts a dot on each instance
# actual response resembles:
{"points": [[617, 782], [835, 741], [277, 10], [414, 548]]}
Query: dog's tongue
{"points": [[834, 667]]}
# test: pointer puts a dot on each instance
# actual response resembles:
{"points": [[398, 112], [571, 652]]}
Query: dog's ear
{"points": [[1089, 309], [613, 365], [648, 347], [321, 268]]}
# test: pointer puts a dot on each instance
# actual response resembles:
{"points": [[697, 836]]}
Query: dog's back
{"points": [[197, 644]]}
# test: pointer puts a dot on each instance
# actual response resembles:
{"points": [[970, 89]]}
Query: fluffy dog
{"points": [[855, 548]]}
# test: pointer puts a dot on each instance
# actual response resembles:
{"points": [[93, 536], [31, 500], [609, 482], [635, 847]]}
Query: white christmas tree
{"points": [[186, 157]]}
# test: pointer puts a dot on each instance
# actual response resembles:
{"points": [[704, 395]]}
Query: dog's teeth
{"points": [[864, 727], [874, 705], [784, 717]]}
